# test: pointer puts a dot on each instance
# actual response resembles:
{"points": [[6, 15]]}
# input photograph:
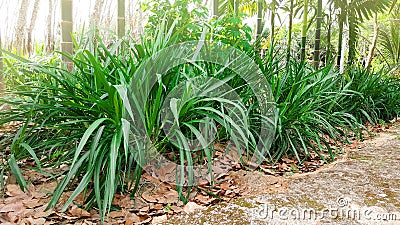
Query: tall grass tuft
{"points": [[376, 95], [80, 118]]}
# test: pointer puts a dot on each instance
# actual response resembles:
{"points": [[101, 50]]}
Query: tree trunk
{"points": [[304, 31], [328, 37], [318, 35], [20, 27], [352, 40], [290, 28], [95, 16], [50, 36], [121, 18], [66, 30], [272, 31], [259, 17], [236, 8], [215, 5], [340, 41], [373, 44], [343, 50], [31, 26]]}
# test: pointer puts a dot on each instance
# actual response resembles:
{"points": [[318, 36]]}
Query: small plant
{"points": [[168, 207]]}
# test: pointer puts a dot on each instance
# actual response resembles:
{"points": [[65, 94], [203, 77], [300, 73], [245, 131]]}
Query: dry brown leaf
{"points": [[144, 220], [116, 214], [205, 200], [129, 222], [32, 203], [149, 198], [225, 186], [15, 216], [150, 178], [159, 219], [176, 209], [192, 206], [32, 221], [14, 190], [38, 195], [229, 194], [145, 209], [75, 211], [171, 197], [132, 218], [125, 202], [158, 206], [14, 207], [166, 168], [287, 160], [202, 182], [222, 175], [48, 186], [42, 213]]}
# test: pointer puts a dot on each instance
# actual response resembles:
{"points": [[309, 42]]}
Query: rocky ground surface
{"points": [[361, 188]]}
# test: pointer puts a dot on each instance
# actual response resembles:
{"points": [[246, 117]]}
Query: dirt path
{"points": [[364, 188]]}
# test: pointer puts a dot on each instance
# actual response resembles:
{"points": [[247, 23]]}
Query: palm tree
{"points": [[354, 12], [390, 36], [66, 28], [373, 44], [304, 31]]}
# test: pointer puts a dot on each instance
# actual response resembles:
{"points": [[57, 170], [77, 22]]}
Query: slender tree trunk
{"points": [[290, 28], [343, 50], [272, 35], [66, 30], [31, 26], [318, 35], [340, 41], [236, 8], [215, 5], [328, 37], [121, 18], [259, 17], [50, 37], [352, 42], [304, 31], [20, 27], [373, 44]]}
